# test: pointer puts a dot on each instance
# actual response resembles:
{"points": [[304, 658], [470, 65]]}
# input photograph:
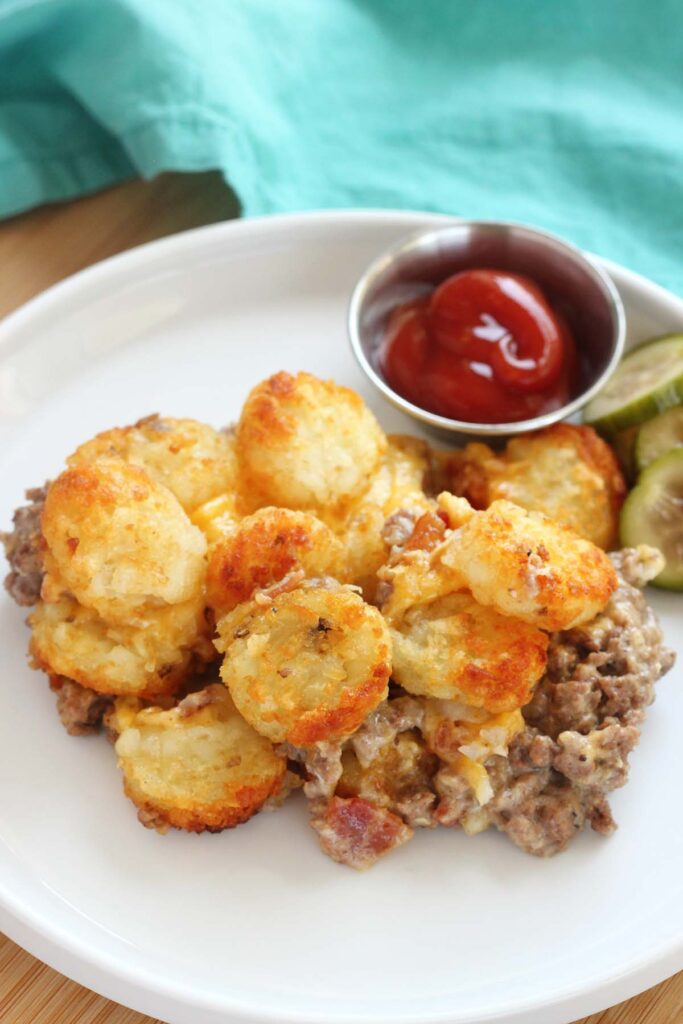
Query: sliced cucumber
{"points": [[646, 382], [659, 436], [653, 514], [624, 443]]}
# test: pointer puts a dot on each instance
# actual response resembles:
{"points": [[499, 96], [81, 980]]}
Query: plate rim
{"points": [[117, 979]]}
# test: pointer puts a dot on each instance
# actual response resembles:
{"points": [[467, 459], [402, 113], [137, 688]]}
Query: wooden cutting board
{"points": [[36, 250], [31, 993]]}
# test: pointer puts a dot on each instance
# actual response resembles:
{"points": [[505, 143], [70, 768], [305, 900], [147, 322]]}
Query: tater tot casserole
{"points": [[404, 636]]}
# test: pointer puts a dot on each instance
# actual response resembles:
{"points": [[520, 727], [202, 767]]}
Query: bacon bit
{"points": [[72, 543], [428, 533], [354, 832]]}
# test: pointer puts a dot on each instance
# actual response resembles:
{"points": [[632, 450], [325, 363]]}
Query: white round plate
{"points": [[257, 925]]}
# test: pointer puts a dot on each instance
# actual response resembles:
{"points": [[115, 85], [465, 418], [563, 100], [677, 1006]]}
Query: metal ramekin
{"points": [[574, 284]]}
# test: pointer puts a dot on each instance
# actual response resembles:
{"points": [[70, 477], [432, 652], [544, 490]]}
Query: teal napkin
{"points": [[561, 113]]}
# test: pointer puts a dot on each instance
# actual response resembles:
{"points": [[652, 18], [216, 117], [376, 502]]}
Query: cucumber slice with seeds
{"points": [[659, 436], [653, 514], [646, 382]]}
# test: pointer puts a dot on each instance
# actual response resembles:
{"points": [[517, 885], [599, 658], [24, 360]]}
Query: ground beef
{"points": [[81, 710], [320, 766], [541, 823], [456, 798], [545, 791], [24, 549], [599, 760], [416, 808], [383, 725], [398, 528], [604, 672]]}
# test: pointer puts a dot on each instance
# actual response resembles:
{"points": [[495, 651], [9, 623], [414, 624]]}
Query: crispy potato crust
{"points": [[118, 541], [304, 443], [307, 665], [565, 471], [150, 655], [198, 766], [195, 462], [524, 565], [265, 548], [455, 649]]}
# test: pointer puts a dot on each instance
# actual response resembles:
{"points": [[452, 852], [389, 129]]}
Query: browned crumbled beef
{"points": [[530, 751], [354, 832], [416, 807], [541, 823], [81, 710], [455, 794], [320, 764], [604, 671], [383, 725], [546, 790], [638, 566], [398, 528], [24, 549], [600, 816], [599, 760]]}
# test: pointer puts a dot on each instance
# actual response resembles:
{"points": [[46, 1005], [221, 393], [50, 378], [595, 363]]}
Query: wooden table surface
{"points": [[36, 250]]}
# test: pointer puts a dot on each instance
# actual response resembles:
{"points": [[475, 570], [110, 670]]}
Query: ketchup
{"points": [[484, 347]]}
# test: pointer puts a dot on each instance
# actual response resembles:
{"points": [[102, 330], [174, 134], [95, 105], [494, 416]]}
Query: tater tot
{"points": [[198, 766], [307, 665], [524, 565], [565, 471], [117, 540], [265, 548], [400, 478], [195, 462], [304, 443], [151, 654], [455, 649]]}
